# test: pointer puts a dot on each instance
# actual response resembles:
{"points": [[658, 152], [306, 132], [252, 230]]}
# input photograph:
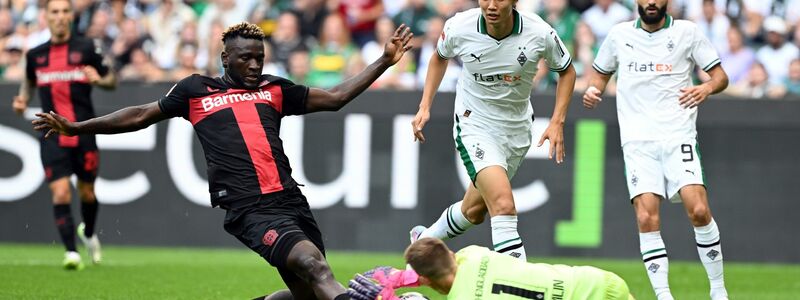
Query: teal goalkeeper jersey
{"points": [[485, 274]]}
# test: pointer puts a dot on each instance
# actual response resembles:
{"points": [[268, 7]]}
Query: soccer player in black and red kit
{"points": [[64, 70], [237, 120]]}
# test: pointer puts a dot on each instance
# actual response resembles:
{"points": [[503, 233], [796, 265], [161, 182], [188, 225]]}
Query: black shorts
{"points": [[82, 160], [273, 225]]}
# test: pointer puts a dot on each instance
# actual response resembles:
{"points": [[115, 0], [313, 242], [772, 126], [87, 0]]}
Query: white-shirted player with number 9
{"points": [[500, 48], [654, 57]]}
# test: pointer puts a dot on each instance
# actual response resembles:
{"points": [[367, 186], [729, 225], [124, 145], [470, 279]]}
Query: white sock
{"points": [[505, 237], [710, 251], [656, 263], [450, 224]]}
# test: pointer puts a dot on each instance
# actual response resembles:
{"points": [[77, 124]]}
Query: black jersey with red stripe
{"points": [[57, 71], [239, 131]]}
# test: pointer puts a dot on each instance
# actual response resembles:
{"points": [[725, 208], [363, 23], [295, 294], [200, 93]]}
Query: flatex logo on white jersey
{"points": [[225, 99]]}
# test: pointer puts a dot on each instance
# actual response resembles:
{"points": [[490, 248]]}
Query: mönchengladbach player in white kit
{"points": [[654, 57], [500, 48]]}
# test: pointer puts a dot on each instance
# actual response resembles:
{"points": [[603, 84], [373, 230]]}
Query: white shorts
{"points": [[481, 147], [662, 167]]}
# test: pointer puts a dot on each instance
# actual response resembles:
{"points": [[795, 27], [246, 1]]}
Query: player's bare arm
{"points": [[337, 97], [20, 103], [124, 120], [597, 84], [692, 96], [437, 66], [108, 82], [555, 131]]}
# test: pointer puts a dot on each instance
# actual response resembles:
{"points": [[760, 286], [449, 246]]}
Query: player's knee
{"points": [[647, 221], [87, 195], [313, 270], [503, 206], [61, 196], [700, 215]]}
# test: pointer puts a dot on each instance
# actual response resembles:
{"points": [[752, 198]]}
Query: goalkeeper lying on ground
{"points": [[479, 273]]}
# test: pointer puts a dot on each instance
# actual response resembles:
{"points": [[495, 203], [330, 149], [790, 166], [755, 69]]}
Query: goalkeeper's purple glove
{"points": [[363, 288]]}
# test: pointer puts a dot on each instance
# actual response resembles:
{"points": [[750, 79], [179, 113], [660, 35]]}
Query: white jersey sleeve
{"points": [[606, 60], [556, 54], [703, 53], [445, 47]]}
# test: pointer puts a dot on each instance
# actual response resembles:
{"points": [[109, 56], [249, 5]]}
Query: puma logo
{"points": [[478, 58]]}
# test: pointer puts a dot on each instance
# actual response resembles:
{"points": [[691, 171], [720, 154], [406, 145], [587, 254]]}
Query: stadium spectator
{"points": [[738, 58], [756, 85], [141, 68], [84, 13], [397, 77], [793, 81], [208, 56], [165, 23], [187, 53], [603, 15], [330, 58], [793, 14], [563, 18], [286, 38], [272, 67], [221, 13], [585, 49], [102, 30], [373, 49], [426, 49], [130, 38], [311, 14], [754, 13], [15, 67], [6, 23], [714, 25], [361, 17], [777, 53], [415, 14], [38, 33], [299, 66]]}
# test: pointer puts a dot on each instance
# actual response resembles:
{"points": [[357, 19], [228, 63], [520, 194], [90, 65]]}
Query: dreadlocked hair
{"points": [[243, 30]]}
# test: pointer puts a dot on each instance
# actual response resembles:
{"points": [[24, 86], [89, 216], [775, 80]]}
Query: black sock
{"points": [[342, 297], [89, 215], [66, 228]]}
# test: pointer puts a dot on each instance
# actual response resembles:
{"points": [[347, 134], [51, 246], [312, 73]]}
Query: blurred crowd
{"points": [[322, 42]]}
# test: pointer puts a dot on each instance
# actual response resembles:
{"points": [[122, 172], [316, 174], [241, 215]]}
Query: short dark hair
{"points": [[47, 2], [430, 257], [243, 30]]}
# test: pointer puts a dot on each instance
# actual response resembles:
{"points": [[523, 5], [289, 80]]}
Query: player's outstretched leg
{"points": [[706, 234], [89, 207], [308, 263], [62, 214], [495, 187], [654, 253], [456, 219]]}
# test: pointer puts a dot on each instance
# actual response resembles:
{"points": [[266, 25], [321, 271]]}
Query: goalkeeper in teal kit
{"points": [[479, 273]]}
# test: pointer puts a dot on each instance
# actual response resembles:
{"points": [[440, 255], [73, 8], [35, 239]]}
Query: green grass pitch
{"points": [[34, 272]]}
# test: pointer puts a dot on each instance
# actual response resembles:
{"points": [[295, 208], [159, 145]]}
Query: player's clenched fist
{"points": [[591, 97], [19, 105]]}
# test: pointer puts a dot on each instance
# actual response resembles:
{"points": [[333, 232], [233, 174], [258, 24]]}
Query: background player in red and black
{"points": [[237, 119], [64, 70]]}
